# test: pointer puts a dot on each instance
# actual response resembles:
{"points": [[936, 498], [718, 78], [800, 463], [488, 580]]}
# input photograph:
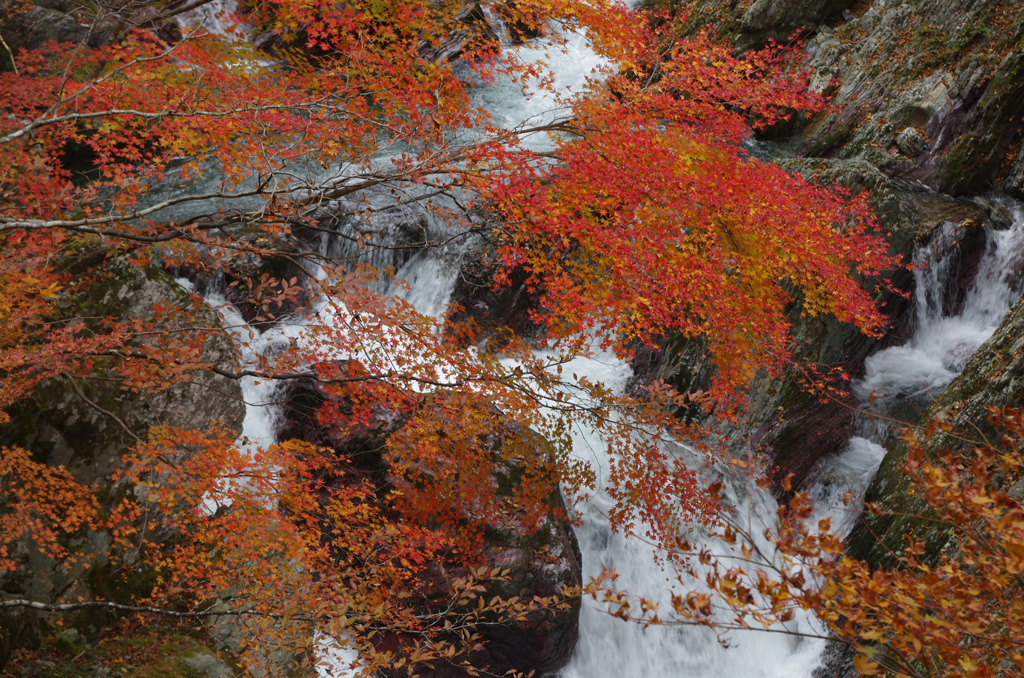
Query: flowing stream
{"points": [[897, 376]]}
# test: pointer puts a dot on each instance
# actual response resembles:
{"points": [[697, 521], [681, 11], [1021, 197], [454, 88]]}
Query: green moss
{"points": [[835, 137], [938, 48], [966, 168]]}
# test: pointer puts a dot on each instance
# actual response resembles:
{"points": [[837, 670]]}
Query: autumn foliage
{"points": [[647, 217]]}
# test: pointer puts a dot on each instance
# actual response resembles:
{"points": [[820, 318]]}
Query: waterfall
{"points": [[608, 647], [903, 380], [215, 17], [937, 352]]}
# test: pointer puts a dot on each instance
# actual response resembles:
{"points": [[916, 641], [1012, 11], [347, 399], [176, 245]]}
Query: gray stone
{"points": [[910, 142], [779, 19], [207, 665]]}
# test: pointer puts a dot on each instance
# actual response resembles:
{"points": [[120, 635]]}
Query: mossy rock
{"points": [[966, 169], [86, 424], [158, 655]]}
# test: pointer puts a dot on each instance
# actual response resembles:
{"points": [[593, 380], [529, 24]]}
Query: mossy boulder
{"points": [[87, 424], [138, 653]]}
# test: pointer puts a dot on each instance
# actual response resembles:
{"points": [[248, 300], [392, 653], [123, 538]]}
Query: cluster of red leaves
{"points": [[280, 540], [655, 220], [43, 502]]}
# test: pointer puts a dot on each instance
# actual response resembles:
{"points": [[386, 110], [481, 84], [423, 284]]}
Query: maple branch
{"points": [[14, 65], [78, 390], [118, 607]]}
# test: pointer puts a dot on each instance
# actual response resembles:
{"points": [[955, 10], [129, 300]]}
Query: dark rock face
{"points": [[778, 20], [93, 22], [87, 425], [540, 561], [992, 127], [483, 312], [927, 90]]}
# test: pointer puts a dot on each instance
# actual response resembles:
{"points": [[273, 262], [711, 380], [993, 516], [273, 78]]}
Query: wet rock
{"points": [[779, 19], [206, 665], [481, 312], [370, 229]]}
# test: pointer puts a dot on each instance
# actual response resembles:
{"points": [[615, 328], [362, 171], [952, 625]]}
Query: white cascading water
{"points": [[216, 17], [942, 344], [608, 647]]}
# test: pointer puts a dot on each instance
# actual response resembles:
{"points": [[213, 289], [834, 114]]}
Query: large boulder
{"points": [[86, 425], [32, 24], [778, 20]]}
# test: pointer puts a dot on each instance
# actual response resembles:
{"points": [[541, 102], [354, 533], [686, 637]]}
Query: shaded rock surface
{"points": [[93, 22], [778, 20], [482, 312], [928, 90], [87, 425]]}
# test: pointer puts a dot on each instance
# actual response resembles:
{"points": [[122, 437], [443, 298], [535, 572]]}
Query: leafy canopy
{"points": [[645, 217]]}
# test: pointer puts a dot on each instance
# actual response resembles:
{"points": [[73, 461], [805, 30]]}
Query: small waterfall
{"points": [[610, 648], [497, 25], [900, 382], [215, 17]]}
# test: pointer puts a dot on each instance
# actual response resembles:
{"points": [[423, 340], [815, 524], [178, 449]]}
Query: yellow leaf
{"points": [[865, 666]]}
